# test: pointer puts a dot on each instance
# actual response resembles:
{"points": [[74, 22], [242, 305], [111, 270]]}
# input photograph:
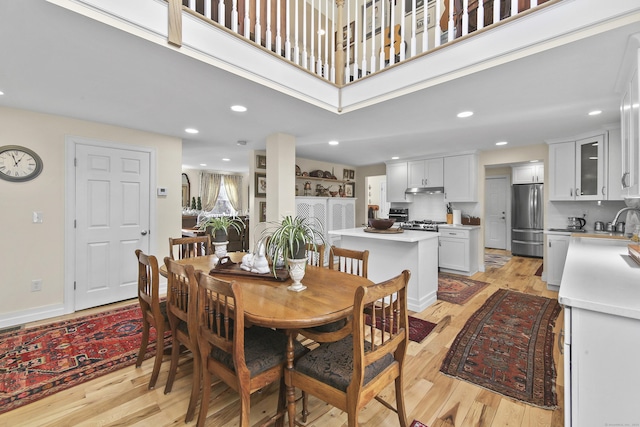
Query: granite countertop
{"points": [[408, 236], [599, 275]]}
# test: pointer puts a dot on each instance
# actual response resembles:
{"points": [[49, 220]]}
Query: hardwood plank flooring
{"points": [[122, 399]]}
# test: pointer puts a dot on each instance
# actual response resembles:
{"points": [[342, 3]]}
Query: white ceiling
{"points": [[55, 61]]}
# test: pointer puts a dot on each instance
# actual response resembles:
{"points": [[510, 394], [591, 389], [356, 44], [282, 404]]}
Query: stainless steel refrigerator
{"points": [[527, 220]]}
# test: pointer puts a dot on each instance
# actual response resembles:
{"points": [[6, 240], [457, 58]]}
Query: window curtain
{"points": [[232, 185], [210, 184]]}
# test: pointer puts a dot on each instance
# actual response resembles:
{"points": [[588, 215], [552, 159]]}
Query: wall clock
{"points": [[18, 164]]}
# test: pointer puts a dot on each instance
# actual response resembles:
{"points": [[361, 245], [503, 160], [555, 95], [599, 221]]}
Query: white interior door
{"points": [[495, 230], [112, 193]]}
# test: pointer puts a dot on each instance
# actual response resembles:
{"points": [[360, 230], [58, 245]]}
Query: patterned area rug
{"points": [[417, 423], [539, 271], [457, 289], [418, 328], [506, 346], [495, 260], [37, 362]]}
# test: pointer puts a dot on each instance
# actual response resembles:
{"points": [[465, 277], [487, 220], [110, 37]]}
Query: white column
{"points": [[281, 166]]}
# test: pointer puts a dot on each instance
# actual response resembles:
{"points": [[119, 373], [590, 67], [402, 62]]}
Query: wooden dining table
{"points": [[268, 303]]}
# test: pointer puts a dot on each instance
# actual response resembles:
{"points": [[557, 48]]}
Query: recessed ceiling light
{"points": [[1, 93], [595, 112], [224, 159], [395, 158], [191, 130], [238, 108], [203, 164], [334, 142], [502, 143], [465, 114]]}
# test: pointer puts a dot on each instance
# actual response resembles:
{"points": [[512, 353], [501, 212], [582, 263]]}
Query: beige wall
{"points": [[36, 251]]}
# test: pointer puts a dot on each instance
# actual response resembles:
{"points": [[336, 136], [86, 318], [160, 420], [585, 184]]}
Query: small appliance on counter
{"points": [[399, 214], [598, 226], [575, 223]]}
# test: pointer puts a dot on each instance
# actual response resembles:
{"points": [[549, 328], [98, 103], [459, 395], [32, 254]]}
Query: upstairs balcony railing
{"points": [[379, 33]]}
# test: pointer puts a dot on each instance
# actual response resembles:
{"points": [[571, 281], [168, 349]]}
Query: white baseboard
{"points": [[31, 315]]}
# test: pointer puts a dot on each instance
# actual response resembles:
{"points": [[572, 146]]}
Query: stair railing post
{"points": [[339, 44], [175, 23]]}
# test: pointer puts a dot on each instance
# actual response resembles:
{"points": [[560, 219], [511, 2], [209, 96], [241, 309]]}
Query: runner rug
{"points": [[457, 289], [507, 347], [40, 361]]}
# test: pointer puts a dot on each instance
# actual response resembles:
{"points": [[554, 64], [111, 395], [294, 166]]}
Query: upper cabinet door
{"points": [[426, 173], [590, 165], [397, 182], [562, 171], [527, 174], [461, 178]]}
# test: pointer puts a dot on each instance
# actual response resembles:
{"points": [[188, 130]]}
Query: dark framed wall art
{"points": [[261, 184]]}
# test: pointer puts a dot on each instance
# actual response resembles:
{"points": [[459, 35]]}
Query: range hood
{"points": [[424, 190]]}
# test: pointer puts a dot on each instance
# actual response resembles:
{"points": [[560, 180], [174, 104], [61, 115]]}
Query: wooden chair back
{"points": [[349, 261], [182, 291], [189, 247], [377, 345], [315, 254], [153, 311]]}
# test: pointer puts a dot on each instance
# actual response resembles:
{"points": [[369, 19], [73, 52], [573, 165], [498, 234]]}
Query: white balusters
{"points": [[403, 45], [363, 21], [312, 59], [257, 31], [465, 17], [207, 9], [496, 11], [438, 34], [333, 51], [287, 25], [451, 29], [327, 33], [346, 52], [296, 32], [234, 16], [373, 31], [304, 35], [319, 66], [480, 14], [279, 28], [514, 7], [221, 13], [267, 33], [247, 21], [425, 26]]}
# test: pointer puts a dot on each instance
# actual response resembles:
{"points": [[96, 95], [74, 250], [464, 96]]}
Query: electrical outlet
{"points": [[36, 285]]}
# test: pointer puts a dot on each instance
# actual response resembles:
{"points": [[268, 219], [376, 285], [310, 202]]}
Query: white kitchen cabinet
{"points": [[341, 215], [630, 136], [461, 178], [334, 213], [426, 173], [457, 250], [557, 247], [614, 170], [397, 182], [577, 169], [527, 174]]}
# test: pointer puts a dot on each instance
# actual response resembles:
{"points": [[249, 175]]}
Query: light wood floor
{"points": [[122, 399]]}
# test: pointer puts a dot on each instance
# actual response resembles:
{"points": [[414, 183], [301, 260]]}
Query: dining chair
{"points": [[349, 261], [154, 311], [350, 372], [246, 359], [182, 289], [315, 254], [188, 247]]}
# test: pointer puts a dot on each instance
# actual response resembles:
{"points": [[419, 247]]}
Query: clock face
{"points": [[19, 163]]}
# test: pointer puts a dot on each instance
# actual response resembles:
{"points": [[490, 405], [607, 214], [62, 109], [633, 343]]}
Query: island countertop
{"points": [[599, 275], [410, 236]]}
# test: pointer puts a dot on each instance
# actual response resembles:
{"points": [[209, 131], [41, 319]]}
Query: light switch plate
{"points": [[37, 217], [162, 191]]}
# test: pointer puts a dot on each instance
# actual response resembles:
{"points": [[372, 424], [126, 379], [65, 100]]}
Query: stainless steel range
{"points": [[422, 225]]}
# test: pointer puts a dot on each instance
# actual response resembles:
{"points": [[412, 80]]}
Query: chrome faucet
{"points": [[628, 208]]}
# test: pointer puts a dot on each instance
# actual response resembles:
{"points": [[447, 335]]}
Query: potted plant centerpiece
{"points": [[286, 244], [219, 229]]}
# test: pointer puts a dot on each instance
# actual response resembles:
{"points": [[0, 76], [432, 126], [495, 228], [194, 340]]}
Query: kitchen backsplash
{"points": [[434, 207], [557, 212]]}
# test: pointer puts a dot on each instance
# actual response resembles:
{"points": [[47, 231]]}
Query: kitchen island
{"points": [[600, 292], [390, 253]]}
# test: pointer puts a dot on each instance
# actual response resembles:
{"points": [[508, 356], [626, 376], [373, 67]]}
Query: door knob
{"points": [[143, 232]]}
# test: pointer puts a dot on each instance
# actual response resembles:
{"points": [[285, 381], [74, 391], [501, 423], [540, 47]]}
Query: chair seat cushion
{"points": [[264, 348], [332, 363]]}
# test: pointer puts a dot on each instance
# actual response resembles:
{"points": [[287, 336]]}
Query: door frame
{"points": [[507, 208], [70, 206]]}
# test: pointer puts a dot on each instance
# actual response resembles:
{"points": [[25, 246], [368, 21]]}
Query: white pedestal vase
{"points": [[296, 271], [220, 249]]}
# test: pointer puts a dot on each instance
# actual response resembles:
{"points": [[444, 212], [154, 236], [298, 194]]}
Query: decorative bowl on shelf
{"points": [[381, 223], [333, 193]]}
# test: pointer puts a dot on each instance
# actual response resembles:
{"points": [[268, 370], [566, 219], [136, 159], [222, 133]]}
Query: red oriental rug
{"points": [[40, 361], [457, 289], [507, 347], [417, 423], [418, 328]]}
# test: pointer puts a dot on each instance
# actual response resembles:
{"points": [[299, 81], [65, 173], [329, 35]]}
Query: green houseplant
{"points": [[286, 243], [220, 225]]}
